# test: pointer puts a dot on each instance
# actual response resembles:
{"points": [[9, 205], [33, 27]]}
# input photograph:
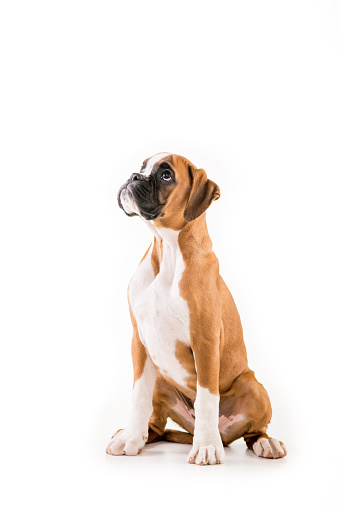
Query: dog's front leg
{"points": [[207, 444], [131, 440]]}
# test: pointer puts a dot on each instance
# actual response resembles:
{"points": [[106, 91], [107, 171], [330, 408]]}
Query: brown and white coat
{"points": [[188, 353]]}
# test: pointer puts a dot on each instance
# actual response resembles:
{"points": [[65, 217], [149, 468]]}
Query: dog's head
{"points": [[168, 190]]}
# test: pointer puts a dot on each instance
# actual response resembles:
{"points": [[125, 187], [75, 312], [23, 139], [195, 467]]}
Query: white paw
{"points": [[126, 442], [207, 454], [269, 448]]}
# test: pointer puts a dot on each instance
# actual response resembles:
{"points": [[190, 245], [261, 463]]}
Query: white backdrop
{"points": [[246, 90]]}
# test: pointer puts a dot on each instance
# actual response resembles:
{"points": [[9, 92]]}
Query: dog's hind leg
{"points": [[245, 411]]}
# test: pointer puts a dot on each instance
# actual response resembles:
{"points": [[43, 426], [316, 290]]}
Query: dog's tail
{"points": [[172, 436]]}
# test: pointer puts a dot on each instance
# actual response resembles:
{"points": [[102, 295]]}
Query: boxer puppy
{"points": [[188, 353]]}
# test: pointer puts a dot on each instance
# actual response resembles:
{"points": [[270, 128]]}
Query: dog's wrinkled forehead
{"points": [[149, 164]]}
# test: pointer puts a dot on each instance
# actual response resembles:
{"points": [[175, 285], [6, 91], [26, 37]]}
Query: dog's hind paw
{"points": [[269, 448]]}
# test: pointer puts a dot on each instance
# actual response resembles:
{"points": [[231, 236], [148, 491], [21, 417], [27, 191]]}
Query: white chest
{"points": [[161, 313]]}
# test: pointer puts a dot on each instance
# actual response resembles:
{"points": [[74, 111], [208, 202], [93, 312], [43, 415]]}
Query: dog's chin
{"points": [[149, 216], [148, 212]]}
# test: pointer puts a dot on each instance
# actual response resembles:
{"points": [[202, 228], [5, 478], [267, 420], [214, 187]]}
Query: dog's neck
{"points": [[191, 242]]}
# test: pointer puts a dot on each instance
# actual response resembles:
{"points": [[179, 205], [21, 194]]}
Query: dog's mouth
{"points": [[139, 198]]}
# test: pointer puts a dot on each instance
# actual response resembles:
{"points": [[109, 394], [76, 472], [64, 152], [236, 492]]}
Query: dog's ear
{"points": [[203, 192]]}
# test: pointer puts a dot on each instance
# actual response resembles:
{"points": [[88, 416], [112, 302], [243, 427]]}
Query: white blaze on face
{"points": [[152, 161]]}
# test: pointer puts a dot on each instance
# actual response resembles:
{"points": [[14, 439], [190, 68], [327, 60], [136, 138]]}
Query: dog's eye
{"points": [[166, 176]]}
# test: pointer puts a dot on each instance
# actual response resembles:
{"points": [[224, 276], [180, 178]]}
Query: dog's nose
{"points": [[135, 176]]}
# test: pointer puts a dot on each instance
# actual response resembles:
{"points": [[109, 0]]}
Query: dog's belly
{"points": [[162, 317]]}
